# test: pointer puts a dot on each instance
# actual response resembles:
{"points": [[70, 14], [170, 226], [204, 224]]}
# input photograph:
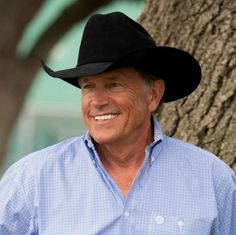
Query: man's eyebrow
{"points": [[113, 78], [84, 79]]}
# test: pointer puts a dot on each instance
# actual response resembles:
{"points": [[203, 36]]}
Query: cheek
{"points": [[127, 101], [135, 102], [84, 106]]}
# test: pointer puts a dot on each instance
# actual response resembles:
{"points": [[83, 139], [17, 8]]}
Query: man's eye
{"points": [[86, 86], [115, 85]]}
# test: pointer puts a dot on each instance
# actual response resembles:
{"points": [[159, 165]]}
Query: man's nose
{"points": [[100, 98]]}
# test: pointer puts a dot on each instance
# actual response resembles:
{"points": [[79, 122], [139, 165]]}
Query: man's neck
{"points": [[123, 161]]}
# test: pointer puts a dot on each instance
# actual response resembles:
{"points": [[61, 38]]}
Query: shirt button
{"points": [[159, 219], [126, 214], [180, 223]]}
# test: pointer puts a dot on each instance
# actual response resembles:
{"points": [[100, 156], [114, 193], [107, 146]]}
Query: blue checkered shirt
{"points": [[64, 190]]}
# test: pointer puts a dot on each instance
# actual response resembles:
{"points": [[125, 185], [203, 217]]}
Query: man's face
{"points": [[116, 105]]}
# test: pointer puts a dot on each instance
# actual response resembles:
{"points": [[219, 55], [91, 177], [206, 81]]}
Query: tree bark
{"points": [[206, 29]]}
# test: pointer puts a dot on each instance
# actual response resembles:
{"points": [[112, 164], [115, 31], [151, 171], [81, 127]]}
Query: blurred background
{"points": [[51, 110], [37, 110]]}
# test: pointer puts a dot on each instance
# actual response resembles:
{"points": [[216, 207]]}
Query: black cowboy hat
{"points": [[114, 40]]}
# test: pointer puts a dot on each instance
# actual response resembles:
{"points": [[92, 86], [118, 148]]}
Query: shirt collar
{"points": [[158, 137]]}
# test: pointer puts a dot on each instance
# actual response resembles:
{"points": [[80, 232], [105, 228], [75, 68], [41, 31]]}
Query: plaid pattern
{"points": [[64, 190]]}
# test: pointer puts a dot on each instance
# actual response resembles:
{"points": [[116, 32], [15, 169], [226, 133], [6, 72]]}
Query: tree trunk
{"points": [[206, 29], [17, 73]]}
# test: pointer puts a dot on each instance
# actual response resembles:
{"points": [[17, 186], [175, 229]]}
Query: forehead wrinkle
{"points": [[104, 77], [113, 75]]}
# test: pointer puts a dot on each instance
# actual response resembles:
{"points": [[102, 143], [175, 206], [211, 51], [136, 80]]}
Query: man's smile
{"points": [[105, 117]]}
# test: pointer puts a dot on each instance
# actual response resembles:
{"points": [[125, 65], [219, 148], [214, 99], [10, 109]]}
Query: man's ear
{"points": [[157, 92]]}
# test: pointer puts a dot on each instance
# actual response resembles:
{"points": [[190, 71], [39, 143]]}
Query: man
{"points": [[124, 176]]}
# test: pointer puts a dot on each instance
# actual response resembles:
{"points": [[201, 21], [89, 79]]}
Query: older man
{"points": [[124, 176]]}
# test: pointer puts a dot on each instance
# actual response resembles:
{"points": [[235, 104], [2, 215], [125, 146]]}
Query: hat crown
{"points": [[114, 40], [110, 37]]}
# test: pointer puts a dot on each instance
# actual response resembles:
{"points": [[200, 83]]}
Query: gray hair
{"points": [[149, 81]]}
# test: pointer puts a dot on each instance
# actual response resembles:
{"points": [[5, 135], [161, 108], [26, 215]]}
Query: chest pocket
{"points": [[169, 225]]}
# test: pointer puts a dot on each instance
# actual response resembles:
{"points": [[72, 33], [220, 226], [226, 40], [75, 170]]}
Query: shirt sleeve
{"points": [[225, 190], [15, 217]]}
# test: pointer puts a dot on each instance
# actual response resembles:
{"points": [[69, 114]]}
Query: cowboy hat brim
{"points": [[180, 71]]}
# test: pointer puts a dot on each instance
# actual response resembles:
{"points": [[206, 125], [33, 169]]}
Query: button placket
{"points": [[180, 223], [126, 214], [159, 219]]}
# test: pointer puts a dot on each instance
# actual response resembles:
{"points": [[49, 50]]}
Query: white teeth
{"points": [[105, 117]]}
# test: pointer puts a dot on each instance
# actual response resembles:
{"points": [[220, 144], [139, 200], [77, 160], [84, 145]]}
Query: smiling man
{"points": [[117, 107], [124, 176]]}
